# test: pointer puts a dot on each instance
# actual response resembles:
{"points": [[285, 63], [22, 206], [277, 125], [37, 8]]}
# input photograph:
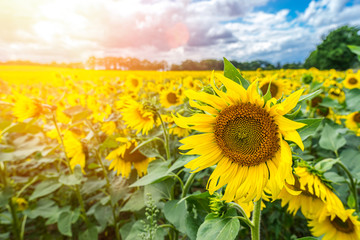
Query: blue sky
{"points": [[172, 30]]}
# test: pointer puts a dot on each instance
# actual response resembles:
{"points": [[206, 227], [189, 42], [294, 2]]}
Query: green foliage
{"points": [[224, 228], [333, 52], [231, 72]]}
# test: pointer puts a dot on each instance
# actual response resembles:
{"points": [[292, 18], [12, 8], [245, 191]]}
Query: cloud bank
{"points": [[55, 30]]}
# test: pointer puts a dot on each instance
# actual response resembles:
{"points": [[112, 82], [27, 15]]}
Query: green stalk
{"points": [[188, 184], [241, 210], [352, 186], [77, 190], [15, 220], [255, 231], [99, 160], [166, 136]]}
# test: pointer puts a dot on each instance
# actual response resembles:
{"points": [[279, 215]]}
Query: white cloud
{"points": [[65, 30]]}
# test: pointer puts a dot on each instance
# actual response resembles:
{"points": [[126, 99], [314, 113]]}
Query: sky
{"points": [[73, 30]]}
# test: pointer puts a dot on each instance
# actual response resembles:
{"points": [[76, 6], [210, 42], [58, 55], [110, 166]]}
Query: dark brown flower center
{"points": [[135, 82], [136, 156], [247, 134], [352, 81], [171, 98], [315, 101], [273, 89], [323, 111], [346, 227], [356, 117]]}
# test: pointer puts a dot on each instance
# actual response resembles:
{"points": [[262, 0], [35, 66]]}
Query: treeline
{"points": [[212, 64], [119, 63]]}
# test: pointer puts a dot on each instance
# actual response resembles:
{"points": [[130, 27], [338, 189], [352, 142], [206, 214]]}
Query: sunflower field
{"points": [[88, 154]]}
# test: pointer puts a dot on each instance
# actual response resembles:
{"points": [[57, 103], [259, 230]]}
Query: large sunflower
{"points": [[243, 135], [346, 227], [122, 158], [311, 193]]}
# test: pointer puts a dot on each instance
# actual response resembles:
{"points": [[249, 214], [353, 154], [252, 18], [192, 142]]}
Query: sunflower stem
{"points": [[352, 186], [241, 210], [99, 159], [255, 231], [77, 189], [15, 220], [188, 184], [166, 137]]}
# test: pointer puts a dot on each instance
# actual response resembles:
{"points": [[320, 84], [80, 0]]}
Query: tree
{"points": [[333, 51]]}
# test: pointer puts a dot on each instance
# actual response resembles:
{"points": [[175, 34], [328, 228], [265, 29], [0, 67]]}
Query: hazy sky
{"points": [[242, 30]]}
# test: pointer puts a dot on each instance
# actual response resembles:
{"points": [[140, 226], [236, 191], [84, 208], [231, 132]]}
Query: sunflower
{"points": [[353, 121], [170, 98], [137, 116], [74, 150], [311, 192], [133, 83], [352, 81], [122, 158], [278, 87], [344, 227], [25, 108], [337, 94], [243, 135]]}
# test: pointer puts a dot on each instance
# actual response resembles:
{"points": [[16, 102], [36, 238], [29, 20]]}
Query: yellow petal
{"points": [[212, 100], [290, 102], [294, 137], [287, 124], [236, 91]]}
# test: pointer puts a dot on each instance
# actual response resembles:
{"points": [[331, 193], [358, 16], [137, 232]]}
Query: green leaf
{"points": [[312, 125], [45, 188], [200, 200], [103, 215], [136, 202], [326, 164], [92, 185], [355, 49], [181, 161], [157, 170], [45, 208], [64, 223], [334, 177], [160, 190], [351, 201], [353, 99], [330, 139], [347, 158], [330, 103], [175, 212], [268, 96], [219, 229], [5, 195], [232, 73], [69, 180], [310, 95], [89, 234]]}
